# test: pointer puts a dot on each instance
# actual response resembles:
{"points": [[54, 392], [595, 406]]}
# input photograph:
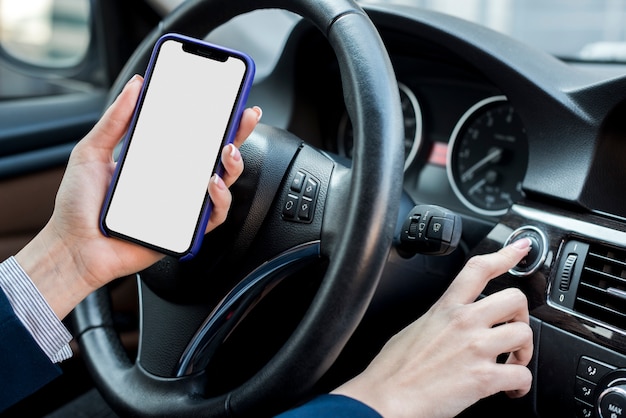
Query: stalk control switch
{"points": [[430, 230]]}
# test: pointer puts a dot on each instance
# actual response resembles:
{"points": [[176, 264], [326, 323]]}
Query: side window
{"points": [[43, 43], [49, 33]]}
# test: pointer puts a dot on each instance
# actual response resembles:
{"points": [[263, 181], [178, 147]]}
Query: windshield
{"points": [[588, 30], [591, 30]]}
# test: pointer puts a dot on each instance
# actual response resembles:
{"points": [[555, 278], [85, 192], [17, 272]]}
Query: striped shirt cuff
{"points": [[33, 310]]}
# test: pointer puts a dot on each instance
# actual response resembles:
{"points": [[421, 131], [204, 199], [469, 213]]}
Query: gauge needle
{"points": [[494, 154], [477, 186]]}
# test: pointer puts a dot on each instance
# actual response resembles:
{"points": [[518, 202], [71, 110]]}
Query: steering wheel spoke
{"points": [[238, 303]]}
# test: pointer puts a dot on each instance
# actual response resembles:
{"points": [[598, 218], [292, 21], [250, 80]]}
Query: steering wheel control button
{"points": [[299, 204], [430, 230], [310, 190], [537, 254], [304, 212], [297, 182], [290, 207]]}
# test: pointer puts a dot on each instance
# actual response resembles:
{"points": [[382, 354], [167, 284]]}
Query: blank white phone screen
{"points": [[175, 144]]}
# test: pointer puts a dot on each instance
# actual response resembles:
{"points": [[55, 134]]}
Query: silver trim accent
{"points": [[585, 230], [194, 358], [417, 139], [614, 389], [453, 137], [618, 293], [542, 256], [141, 317]]}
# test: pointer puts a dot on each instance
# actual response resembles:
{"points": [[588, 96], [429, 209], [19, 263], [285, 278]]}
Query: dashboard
{"points": [[518, 143], [465, 144], [484, 153]]}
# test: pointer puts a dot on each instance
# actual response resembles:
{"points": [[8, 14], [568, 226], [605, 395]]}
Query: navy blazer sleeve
{"points": [[336, 406], [24, 367]]}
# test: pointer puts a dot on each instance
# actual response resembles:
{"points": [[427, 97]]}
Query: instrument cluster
{"points": [[480, 145]]}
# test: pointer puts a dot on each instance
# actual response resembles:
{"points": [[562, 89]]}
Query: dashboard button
{"points": [[592, 370], [612, 402], [583, 410], [584, 390], [538, 252], [566, 273]]}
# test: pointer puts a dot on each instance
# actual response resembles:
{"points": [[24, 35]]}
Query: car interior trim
{"points": [[587, 229], [461, 123]]}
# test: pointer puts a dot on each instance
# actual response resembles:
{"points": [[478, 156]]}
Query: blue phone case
{"points": [[205, 213]]}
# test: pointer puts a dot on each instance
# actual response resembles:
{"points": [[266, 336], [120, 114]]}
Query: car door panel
{"points": [[27, 202], [36, 138]]}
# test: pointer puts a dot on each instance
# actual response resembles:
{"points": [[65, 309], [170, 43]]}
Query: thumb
{"points": [[113, 124]]}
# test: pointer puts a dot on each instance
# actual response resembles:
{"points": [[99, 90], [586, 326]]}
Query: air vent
{"points": [[602, 287]]}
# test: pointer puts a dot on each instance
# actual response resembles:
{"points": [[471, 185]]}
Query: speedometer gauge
{"points": [[412, 114], [487, 157]]}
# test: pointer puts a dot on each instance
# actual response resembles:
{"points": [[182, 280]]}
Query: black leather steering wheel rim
{"points": [[359, 252]]}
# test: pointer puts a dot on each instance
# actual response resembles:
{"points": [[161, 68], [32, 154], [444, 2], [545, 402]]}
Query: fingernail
{"points": [[218, 181], [133, 79], [522, 244], [234, 152], [259, 112]]}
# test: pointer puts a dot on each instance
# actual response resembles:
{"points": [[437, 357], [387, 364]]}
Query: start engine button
{"points": [[537, 254]]}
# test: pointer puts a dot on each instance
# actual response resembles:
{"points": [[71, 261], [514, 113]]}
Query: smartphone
{"points": [[190, 106]]}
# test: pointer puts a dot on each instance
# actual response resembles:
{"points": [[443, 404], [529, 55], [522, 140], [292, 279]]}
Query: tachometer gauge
{"points": [[487, 157], [412, 128]]}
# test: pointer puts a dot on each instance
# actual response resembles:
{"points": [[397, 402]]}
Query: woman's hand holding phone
{"points": [[189, 108], [233, 167], [71, 257]]}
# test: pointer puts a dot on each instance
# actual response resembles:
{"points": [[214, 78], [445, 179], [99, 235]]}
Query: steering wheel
{"points": [[350, 225]]}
